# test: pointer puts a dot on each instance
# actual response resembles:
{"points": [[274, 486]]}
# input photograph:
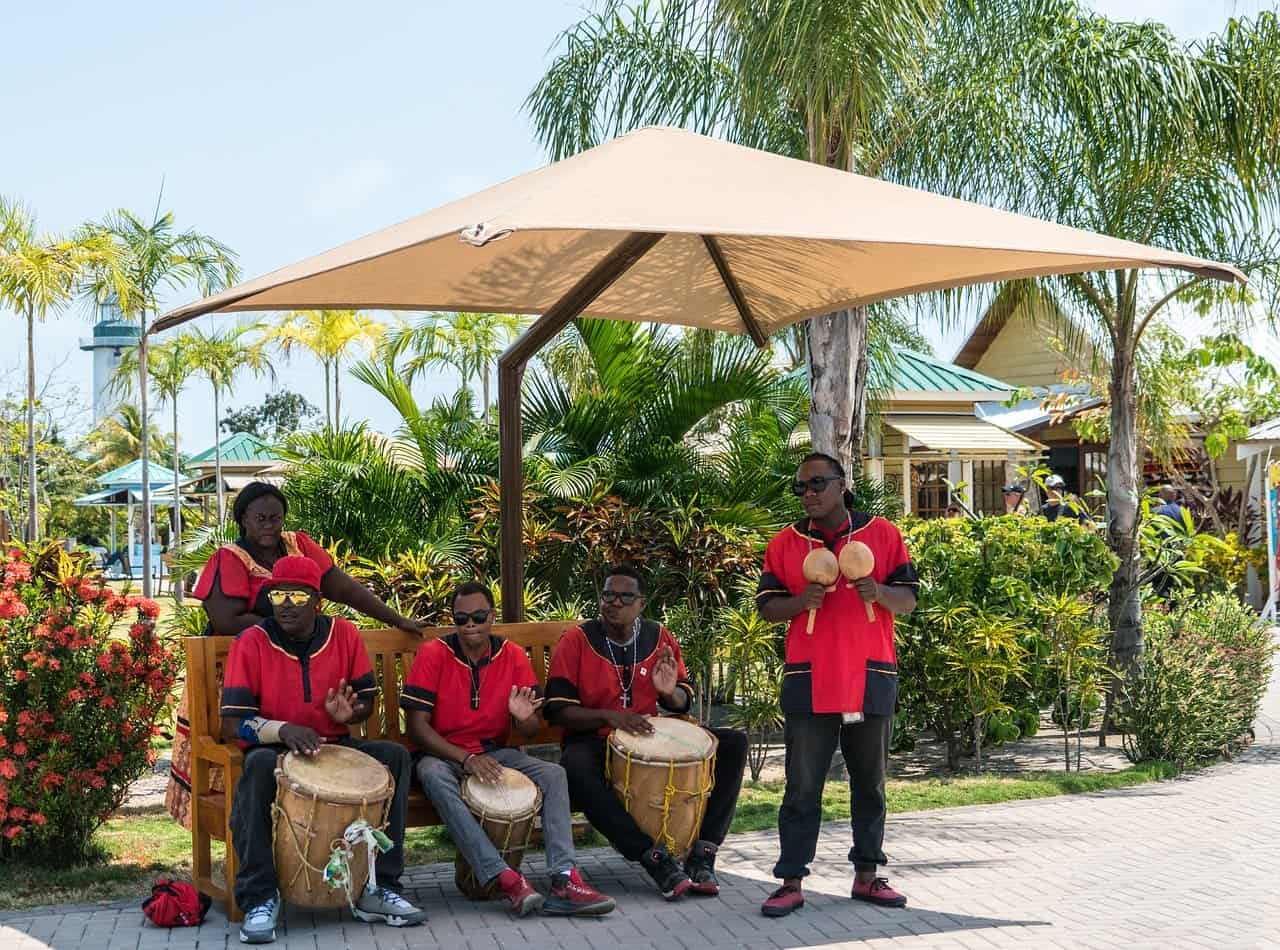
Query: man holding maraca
{"points": [[838, 577]]}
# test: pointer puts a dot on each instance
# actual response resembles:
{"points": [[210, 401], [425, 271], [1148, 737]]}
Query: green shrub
{"points": [[1010, 619], [1204, 673]]}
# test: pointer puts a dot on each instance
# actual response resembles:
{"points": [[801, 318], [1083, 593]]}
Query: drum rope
{"points": [[337, 871]]}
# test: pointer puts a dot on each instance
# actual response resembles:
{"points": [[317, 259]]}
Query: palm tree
{"points": [[330, 336], [157, 256], [657, 416], [117, 440], [40, 273], [469, 342], [1130, 132], [896, 88], [219, 356], [170, 368]]}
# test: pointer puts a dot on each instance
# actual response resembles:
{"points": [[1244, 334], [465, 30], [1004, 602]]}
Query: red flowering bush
{"points": [[84, 679]]}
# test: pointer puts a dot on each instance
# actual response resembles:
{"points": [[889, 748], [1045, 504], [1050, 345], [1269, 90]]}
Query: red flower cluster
{"points": [[84, 677]]}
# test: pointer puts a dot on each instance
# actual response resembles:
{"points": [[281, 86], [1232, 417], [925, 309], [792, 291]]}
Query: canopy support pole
{"points": [[511, 367]]}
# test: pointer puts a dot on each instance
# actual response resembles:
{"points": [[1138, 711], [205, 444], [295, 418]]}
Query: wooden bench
{"points": [[391, 653]]}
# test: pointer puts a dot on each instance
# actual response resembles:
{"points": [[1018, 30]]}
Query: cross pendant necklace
{"points": [[625, 685]]}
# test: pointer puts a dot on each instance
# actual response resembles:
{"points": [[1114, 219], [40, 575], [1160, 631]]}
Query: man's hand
{"points": [[409, 625], [484, 767], [665, 672], [523, 703], [867, 589], [341, 703], [301, 739], [811, 597], [629, 722]]}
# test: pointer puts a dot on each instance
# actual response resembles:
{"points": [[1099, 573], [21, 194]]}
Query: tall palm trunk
{"points": [[836, 355], [1125, 608], [217, 460], [176, 546], [328, 412], [33, 516], [484, 388], [337, 396], [146, 457]]}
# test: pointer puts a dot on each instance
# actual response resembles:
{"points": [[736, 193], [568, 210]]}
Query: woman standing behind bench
{"points": [[233, 586]]}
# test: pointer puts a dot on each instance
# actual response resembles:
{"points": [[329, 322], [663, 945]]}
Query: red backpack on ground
{"points": [[175, 904]]}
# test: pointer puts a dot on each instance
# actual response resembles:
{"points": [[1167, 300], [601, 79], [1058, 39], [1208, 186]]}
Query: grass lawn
{"points": [[139, 849]]}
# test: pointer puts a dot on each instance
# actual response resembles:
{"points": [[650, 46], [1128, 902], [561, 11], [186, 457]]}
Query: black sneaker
{"points": [[662, 867], [701, 868]]}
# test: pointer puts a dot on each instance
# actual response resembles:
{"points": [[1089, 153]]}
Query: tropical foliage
{"points": [[1210, 655], [470, 343], [84, 680], [40, 274], [220, 356], [1009, 624], [330, 336]]}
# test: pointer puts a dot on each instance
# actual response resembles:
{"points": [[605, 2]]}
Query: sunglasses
{"points": [[476, 616], [618, 597], [294, 598], [817, 484]]}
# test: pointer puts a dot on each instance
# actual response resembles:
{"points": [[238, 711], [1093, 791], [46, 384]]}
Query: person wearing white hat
{"points": [[1058, 504]]}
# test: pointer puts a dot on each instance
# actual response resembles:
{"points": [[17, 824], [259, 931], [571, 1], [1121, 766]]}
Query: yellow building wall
{"points": [[1233, 472], [1019, 355]]}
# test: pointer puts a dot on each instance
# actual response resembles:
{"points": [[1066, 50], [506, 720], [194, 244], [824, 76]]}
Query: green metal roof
{"points": [[916, 372], [129, 475], [238, 447]]}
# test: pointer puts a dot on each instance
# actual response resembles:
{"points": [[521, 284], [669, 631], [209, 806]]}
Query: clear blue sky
{"points": [[285, 128]]}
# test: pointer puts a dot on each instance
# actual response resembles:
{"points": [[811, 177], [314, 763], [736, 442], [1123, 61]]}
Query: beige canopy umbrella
{"points": [[667, 226]]}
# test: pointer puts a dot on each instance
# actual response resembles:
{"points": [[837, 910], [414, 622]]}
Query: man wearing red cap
{"points": [[295, 681]]}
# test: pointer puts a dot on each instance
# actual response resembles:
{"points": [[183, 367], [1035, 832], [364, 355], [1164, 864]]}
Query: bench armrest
{"points": [[223, 753]]}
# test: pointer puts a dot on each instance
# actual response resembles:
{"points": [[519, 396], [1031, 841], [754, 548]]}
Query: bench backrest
{"points": [[391, 654]]}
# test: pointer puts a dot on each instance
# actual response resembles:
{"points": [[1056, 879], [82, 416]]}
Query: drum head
{"points": [[513, 797], [336, 774], [672, 740]]}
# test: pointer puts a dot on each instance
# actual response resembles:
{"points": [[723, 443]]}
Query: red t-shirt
{"points": [[589, 670], [848, 664], [239, 575], [467, 702], [271, 676]]}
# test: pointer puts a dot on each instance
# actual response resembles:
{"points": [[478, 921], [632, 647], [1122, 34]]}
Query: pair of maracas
{"points": [[822, 567]]}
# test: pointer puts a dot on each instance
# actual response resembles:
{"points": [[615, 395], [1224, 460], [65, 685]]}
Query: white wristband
{"points": [[261, 731]]}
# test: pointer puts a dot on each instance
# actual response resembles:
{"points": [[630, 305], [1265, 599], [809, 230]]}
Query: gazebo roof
{"points": [[129, 475], [238, 447]]}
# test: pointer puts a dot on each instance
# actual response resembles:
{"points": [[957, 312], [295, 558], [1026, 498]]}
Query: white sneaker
{"points": [[260, 922]]}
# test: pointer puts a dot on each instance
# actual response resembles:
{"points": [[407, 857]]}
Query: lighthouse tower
{"points": [[112, 335]]}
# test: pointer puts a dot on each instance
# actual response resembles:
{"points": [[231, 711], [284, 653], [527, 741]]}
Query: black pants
{"points": [[591, 793], [811, 742], [251, 818]]}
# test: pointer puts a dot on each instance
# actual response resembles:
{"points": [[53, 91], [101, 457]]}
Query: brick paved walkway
{"points": [[1121, 869]]}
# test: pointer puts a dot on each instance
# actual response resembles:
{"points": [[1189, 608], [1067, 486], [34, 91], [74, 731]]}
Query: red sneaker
{"points": [[783, 901], [878, 891], [571, 896], [524, 899]]}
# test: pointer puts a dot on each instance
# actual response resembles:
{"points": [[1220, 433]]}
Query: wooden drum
{"points": [[506, 811], [317, 798], [664, 779]]}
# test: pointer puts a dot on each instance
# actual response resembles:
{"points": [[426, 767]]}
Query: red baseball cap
{"points": [[296, 570]]}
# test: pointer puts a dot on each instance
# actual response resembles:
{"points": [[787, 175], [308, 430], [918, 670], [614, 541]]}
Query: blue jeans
{"points": [[441, 780]]}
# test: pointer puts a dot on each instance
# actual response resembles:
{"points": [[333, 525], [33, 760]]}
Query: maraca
{"points": [[820, 567], [856, 560]]}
